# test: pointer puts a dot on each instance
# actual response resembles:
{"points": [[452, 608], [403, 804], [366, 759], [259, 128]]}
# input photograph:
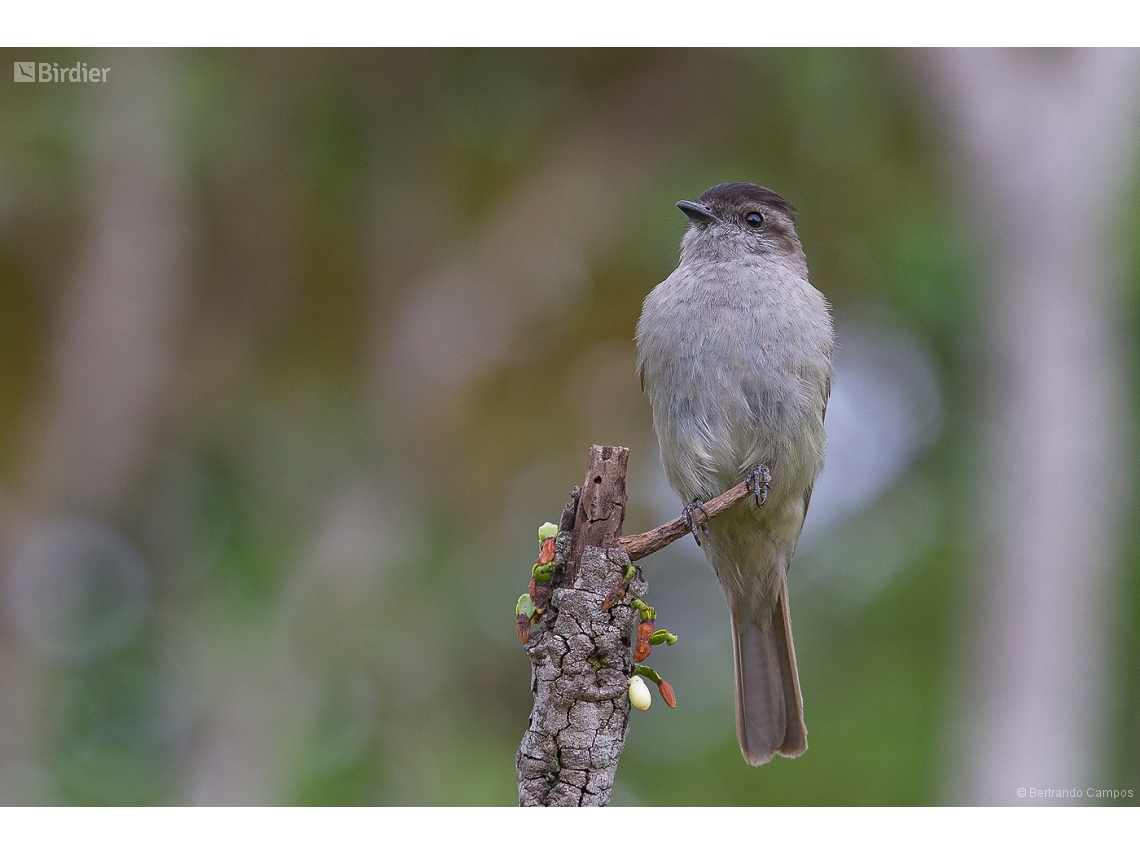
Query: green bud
{"points": [[525, 606], [647, 672], [647, 612], [547, 531], [542, 572], [662, 636]]}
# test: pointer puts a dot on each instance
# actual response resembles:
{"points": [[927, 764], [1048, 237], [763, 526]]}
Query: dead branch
{"points": [[637, 546], [581, 654]]}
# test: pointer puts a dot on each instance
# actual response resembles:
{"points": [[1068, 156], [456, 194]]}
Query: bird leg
{"points": [[758, 480], [689, 515]]}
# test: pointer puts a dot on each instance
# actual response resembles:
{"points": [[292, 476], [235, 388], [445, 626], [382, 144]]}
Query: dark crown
{"points": [[739, 194]]}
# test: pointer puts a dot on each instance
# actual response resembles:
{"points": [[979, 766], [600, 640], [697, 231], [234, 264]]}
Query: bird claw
{"points": [[689, 515], [759, 477]]}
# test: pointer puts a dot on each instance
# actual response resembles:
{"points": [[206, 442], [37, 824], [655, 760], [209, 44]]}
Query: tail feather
{"points": [[769, 707]]}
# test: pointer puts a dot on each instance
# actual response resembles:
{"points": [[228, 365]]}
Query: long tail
{"points": [[769, 708]]}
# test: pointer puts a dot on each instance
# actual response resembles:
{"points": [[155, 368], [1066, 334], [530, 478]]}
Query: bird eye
{"points": [[754, 219]]}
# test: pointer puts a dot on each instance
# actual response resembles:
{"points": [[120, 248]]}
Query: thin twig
{"points": [[638, 546]]}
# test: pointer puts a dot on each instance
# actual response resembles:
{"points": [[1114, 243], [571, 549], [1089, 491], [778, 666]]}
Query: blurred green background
{"points": [[299, 347]]}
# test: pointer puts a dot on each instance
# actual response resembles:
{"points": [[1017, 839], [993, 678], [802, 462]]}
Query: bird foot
{"points": [[758, 480], [689, 515]]}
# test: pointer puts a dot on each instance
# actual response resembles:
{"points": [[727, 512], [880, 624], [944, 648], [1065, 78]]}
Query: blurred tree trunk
{"points": [[111, 355], [113, 349], [1044, 142]]}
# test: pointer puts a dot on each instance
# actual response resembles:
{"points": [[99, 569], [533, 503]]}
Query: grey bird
{"points": [[734, 350]]}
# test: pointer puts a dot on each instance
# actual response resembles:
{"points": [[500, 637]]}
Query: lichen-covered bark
{"points": [[581, 663], [581, 656]]}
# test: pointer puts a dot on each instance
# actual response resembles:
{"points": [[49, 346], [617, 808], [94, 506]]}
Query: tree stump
{"points": [[581, 655]]}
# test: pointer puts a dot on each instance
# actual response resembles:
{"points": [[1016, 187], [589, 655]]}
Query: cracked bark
{"points": [[581, 657]]}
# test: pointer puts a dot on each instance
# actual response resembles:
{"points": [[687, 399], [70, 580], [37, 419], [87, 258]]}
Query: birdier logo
{"points": [[50, 72]]}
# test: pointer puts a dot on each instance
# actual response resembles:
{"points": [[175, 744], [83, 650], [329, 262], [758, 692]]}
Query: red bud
{"points": [[540, 594], [667, 695], [614, 596], [546, 551], [522, 626], [643, 648]]}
